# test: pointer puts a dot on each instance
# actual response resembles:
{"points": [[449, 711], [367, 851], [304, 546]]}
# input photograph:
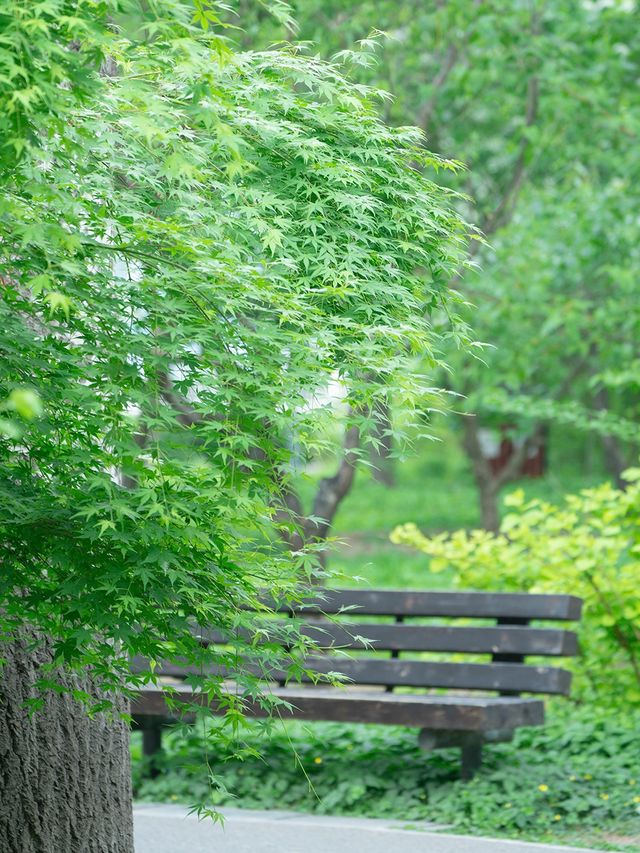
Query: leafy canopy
{"points": [[540, 100], [194, 240]]}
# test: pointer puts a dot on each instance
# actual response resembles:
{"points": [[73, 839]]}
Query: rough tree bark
{"points": [[65, 781]]}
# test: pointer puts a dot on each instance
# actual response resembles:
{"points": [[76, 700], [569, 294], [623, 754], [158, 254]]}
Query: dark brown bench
{"points": [[484, 700]]}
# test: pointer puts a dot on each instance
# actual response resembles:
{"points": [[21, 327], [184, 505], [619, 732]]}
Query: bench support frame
{"points": [[470, 744], [151, 728]]}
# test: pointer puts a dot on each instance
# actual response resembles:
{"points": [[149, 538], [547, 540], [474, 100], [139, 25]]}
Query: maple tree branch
{"points": [[294, 527], [502, 214], [450, 59], [186, 414]]}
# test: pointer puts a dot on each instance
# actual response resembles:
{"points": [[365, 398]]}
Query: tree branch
{"points": [[450, 59], [289, 515], [472, 445], [186, 414], [332, 490], [502, 214], [480, 462], [294, 527]]}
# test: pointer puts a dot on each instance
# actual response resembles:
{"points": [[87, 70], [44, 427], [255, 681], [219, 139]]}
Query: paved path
{"points": [[167, 829]]}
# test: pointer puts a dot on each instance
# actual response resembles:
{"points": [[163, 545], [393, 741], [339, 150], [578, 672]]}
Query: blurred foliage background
{"points": [[532, 110], [539, 101]]}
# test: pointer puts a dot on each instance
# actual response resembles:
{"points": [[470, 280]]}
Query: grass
{"points": [[434, 489]]}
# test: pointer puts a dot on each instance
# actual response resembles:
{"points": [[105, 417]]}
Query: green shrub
{"points": [[589, 547]]}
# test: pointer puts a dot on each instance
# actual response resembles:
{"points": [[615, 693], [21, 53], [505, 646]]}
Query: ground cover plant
{"points": [[587, 794]]}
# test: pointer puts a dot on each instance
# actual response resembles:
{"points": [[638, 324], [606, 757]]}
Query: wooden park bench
{"points": [[483, 701]]}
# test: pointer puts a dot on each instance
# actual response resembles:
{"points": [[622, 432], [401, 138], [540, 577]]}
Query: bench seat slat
{"points": [[430, 712], [479, 605]]}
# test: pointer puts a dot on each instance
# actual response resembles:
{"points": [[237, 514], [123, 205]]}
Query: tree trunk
{"points": [[65, 783], [383, 463], [489, 513], [613, 452], [488, 485], [488, 482]]}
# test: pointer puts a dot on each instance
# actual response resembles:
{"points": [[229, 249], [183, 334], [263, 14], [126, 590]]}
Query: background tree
{"points": [[194, 241], [540, 101]]}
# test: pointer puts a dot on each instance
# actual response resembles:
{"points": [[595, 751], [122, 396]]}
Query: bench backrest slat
{"points": [[380, 647], [478, 605], [405, 673], [433, 638], [458, 676]]}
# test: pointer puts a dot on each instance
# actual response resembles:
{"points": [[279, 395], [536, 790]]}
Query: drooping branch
{"points": [[295, 527], [289, 515], [380, 451], [503, 212], [187, 415], [298, 529]]}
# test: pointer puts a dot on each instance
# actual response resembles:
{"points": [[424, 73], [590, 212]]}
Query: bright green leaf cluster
{"points": [[589, 547]]}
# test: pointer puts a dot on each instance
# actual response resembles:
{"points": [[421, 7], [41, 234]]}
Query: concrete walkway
{"points": [[168, 829]]}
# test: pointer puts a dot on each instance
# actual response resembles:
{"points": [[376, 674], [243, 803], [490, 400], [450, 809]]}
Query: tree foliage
{"points": [[540, 100], [194, 240]]}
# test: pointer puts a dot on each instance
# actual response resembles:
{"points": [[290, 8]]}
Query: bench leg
{"points": [[152, 743], [471, 757], [470, 744]]}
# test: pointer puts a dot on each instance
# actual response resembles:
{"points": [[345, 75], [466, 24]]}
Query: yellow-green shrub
{"points": [[589, 547]]}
